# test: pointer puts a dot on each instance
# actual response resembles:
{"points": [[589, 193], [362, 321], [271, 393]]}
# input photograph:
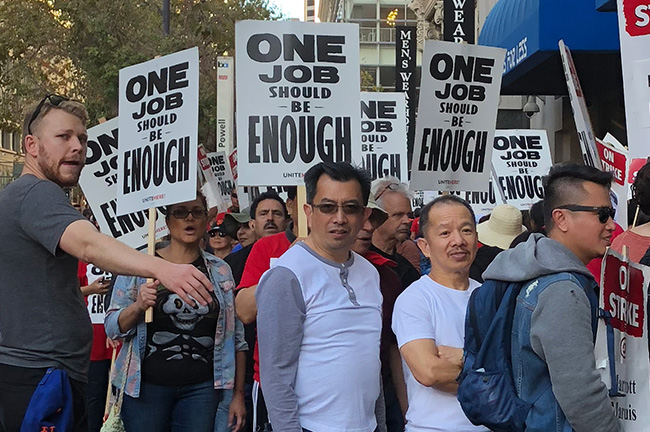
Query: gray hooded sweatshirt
{"points": [[561, 333]]}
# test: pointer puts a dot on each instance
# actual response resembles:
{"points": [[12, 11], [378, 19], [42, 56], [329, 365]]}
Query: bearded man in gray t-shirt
{"points": [[43, 318]]}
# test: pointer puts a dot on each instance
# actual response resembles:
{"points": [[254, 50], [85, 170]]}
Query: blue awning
{"points": [[530, 30], [606, 5]]}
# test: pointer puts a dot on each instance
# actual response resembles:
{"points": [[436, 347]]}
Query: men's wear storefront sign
{"points": [[623, 296], [98, 181], [456, 117], [458, 21], [383, 134], [158, 124], [521, 159], [405, 78], [634, 31], [297, 98]]}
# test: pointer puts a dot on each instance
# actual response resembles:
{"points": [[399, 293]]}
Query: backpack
{"points": [[486, 388]]}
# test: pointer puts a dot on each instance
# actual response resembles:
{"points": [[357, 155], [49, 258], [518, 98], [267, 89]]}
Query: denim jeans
{"points": [[221, 420], [189, 408]]}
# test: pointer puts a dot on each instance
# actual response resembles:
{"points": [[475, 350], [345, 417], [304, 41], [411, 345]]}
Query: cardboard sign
{"points": [[383, 134], [634, 32], [225, 103], [579, 108], [158, 124], [95, 302], [98, 181], [297, 98], [613, 161], [220, 167], [456, 118], [623, 295], [521, 158]]}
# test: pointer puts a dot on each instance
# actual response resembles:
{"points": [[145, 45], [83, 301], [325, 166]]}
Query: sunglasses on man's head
{"points": [[55, 100], [182, 213], [348, 209], [216, 232], [604, 213]]}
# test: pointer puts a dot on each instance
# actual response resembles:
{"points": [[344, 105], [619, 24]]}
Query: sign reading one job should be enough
{"points": [[297, 98], [459, 98], [158, 129]]}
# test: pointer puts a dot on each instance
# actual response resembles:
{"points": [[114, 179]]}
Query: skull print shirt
{"points": [[180, 340]]}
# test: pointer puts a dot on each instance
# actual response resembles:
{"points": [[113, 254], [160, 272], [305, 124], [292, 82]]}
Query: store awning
{"points": [[530, 30], [606, 5]]}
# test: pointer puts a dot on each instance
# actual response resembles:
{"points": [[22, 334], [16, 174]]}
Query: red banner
{"points": [[637, 17], [623, 293], [612, 161]]}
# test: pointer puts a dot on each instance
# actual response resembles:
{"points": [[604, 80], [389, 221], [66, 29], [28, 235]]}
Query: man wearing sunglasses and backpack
{"points": [[553, 329], [319, 314], [43, 318]]}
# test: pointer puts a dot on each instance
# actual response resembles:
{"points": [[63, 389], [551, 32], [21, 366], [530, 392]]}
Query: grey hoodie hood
{"points": [[536, 257]]}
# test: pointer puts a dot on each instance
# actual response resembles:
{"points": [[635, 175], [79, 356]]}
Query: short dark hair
{"points": [[268, 195], [641, 188], [444, 199], [564, 186], [537, 215], [338, 171], [292, 191]]}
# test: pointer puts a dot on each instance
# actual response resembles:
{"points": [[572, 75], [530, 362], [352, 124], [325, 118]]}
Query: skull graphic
{"points": [[184, 316]]}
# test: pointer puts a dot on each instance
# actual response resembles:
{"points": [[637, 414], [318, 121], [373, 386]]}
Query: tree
{"points": [[87, 42]]}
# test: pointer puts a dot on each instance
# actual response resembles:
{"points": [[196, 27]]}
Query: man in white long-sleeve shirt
{"points": [[319, 315]]}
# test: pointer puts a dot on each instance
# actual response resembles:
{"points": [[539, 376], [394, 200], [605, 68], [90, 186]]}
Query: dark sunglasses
{"points": [[604, 213], [216, 232], [348, 209], [183, 213], [55, 100]]}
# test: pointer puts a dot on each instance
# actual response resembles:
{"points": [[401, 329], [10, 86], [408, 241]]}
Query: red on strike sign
{"points": [[612, 161], [623, 292], [637, 17]]}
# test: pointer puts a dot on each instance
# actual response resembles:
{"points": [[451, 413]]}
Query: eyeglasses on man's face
{"points": [[216, 232], [331, 208]]}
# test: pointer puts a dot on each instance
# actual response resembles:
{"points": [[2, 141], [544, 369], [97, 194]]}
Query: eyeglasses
{"points": [[390, 186], [55, 100], [348, 209], [182, 213], [216, 232], [604, 213]]}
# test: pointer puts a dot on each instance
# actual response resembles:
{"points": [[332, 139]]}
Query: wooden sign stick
{"points": [[151, 250], [302, 217]]}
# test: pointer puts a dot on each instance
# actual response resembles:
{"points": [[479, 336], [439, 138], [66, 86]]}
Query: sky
{"points": [[291, 8]]}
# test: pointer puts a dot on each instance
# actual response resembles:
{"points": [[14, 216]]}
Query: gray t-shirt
{"points": [[43, 317]]}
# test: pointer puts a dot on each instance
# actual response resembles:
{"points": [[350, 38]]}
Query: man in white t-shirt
{"points": [[429, 317]]}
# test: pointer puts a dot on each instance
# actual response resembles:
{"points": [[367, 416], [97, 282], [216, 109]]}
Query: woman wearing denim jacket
{"points": [[177, 367]]}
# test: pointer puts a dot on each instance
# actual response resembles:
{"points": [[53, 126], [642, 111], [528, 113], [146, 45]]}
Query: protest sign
{"points": [[95, 302], [579, 108], [456, 118], [623, 295], [383, 134], [98, 182], [297, 98], [521, 158], [210, 188], [223, 175], [613, 158], [158, 128], [634, 31], [225, 103], [242, 192]]}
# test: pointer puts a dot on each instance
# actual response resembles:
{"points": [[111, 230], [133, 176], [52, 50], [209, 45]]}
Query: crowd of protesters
{"points": [[357, 327]]}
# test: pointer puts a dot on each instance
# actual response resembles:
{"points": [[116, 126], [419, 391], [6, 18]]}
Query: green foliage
{"points": [[77, 47]]}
